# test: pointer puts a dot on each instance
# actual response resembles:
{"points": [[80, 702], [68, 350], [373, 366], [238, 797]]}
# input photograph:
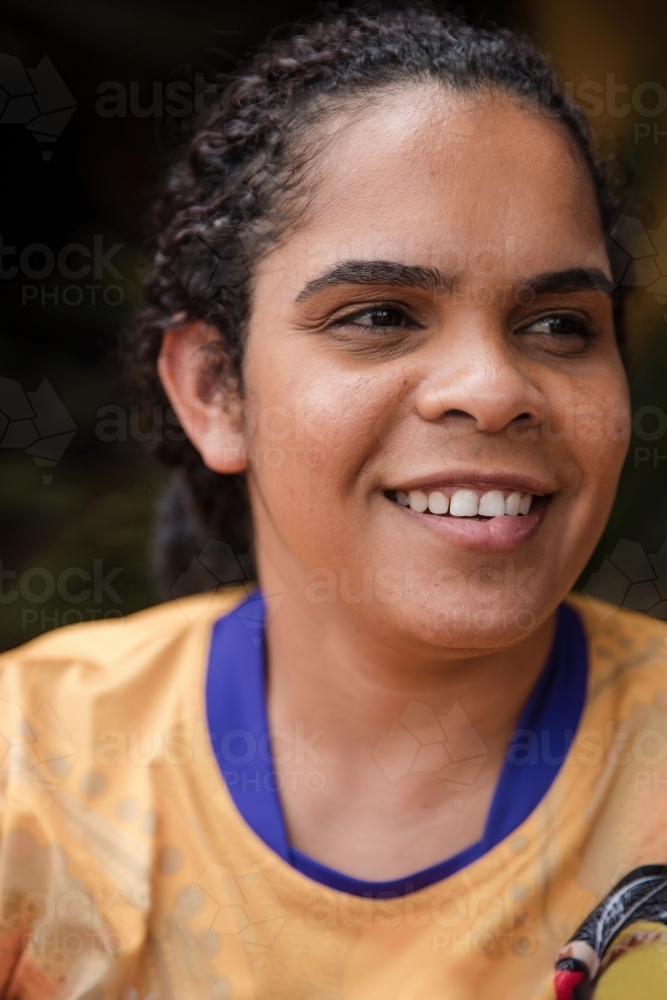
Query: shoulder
{"points": [[621, 629], [93, 659], [627, 649]]}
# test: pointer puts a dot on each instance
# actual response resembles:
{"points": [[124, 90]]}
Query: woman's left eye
{"points": [[561, 326]]}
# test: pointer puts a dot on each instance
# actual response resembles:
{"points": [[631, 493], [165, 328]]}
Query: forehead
{"points": [[424, 174]]}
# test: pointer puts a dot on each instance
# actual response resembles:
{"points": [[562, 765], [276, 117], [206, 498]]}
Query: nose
{"points": [[487, 388]]}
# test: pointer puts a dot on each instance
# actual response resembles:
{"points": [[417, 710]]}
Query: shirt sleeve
{"points": [[63, 931]]}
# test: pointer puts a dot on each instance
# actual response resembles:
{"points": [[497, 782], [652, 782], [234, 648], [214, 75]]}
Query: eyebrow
{"points": [[431, 279], [574, 279], [380, 272]]}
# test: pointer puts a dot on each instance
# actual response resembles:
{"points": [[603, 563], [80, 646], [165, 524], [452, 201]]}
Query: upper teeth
{"points": [[466, 503]]}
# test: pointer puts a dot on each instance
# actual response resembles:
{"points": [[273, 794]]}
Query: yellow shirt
{"points": [[127, 872]]}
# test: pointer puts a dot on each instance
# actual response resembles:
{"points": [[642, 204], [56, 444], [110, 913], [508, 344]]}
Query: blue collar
{"points": [[239, 732]]}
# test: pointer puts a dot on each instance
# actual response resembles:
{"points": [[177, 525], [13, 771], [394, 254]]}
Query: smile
{"points": [[465, 502], [487, 513]]}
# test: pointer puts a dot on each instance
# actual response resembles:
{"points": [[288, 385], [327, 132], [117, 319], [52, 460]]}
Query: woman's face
{"points": [[439, 323]]}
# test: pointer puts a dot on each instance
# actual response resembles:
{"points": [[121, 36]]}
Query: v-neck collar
{"points": [[239, 733]]}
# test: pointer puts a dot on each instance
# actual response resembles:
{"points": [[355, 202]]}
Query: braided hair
{"points": [[242, 182]]}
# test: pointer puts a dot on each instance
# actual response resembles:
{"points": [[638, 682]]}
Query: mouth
{"points": [[479, 515]]}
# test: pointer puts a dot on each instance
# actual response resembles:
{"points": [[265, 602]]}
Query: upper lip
{"points": [[477, 479]]}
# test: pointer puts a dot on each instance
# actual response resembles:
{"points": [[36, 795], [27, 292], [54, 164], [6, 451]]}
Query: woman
{"points": [[382, 310]]}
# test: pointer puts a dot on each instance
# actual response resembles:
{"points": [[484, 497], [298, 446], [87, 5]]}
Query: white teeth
{"points": [[418, 500], [513, 504], [464, 503], [438, 503], [491, 504], [525, 503]]}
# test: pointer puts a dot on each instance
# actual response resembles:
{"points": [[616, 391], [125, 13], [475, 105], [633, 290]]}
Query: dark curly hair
{"points": [[238, 189]]}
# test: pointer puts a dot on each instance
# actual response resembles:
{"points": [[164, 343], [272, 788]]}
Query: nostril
{"points": [[524, 416], [455, 413]]}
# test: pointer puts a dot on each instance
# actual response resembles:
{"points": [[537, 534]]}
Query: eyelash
{"points": [[582, 324], [352, 319], [575, 339]]}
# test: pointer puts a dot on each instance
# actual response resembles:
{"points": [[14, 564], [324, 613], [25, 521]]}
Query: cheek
{"points": [[312, 429], [602, 432], [590, 420]]}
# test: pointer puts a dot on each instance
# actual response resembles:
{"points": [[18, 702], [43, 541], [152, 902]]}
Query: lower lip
{"points": [[498, 533]]}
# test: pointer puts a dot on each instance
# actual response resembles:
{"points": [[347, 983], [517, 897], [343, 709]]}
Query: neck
{"points": [[353, 707], [324, 667]]}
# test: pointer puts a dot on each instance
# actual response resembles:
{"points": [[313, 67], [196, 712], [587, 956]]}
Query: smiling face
{"points": [[439, 409]]}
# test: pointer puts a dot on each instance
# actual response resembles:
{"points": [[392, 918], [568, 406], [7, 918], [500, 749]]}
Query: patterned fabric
{"points": [[633, 915], [128, 873]]}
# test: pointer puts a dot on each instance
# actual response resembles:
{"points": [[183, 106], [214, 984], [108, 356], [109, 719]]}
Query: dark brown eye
{"points": [[560, 326], [382, 316]]}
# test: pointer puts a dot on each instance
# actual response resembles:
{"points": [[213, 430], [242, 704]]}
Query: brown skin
{"points": [[464, 385]]}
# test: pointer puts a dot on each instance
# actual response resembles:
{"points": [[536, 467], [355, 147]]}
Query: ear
{"points": [[209, 414]]}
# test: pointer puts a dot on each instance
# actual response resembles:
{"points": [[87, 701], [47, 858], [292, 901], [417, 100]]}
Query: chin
{"points": [[470, 624]]}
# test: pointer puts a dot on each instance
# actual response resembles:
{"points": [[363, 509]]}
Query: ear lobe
{"points": [[212, 424]]}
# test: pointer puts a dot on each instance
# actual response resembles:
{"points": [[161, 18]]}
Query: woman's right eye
{"points": [[379, 316]]}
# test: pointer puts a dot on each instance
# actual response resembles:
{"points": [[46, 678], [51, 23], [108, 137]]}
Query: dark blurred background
{"points": [[86, 136]]}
